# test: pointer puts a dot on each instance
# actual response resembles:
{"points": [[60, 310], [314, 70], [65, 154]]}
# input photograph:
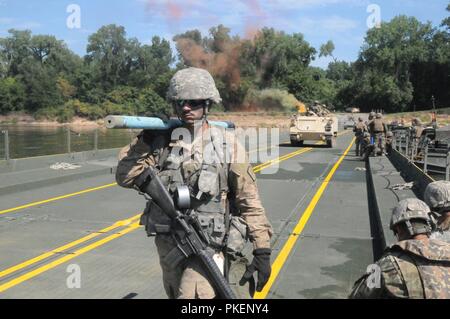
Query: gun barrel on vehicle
{"points": [[151, 123]]}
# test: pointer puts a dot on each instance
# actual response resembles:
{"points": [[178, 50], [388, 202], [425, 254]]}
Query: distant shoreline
{"points": [[242, 119], [29, 120]]}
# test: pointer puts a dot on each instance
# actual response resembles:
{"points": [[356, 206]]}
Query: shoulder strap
{"points": [[163, 156], [411, 276]]}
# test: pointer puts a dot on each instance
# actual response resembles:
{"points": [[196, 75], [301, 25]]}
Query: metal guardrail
{"points": [[432, 158], [69, 142], [6, 136]]}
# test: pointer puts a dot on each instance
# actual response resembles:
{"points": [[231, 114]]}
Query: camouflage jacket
{"points": [[377, 126], [359, 129], [417, 131], [442, 231], [145, 151], [410, 269]]}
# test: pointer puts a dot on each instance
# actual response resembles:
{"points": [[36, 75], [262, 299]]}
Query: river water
{"points": [[28, 141]]}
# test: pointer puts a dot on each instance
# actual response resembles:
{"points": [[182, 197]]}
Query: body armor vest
{"points": [[359, 129], [426, 271], [378, 126], [208, 185]]}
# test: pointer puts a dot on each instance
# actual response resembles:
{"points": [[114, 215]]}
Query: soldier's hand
{"points": [[260, 263]]}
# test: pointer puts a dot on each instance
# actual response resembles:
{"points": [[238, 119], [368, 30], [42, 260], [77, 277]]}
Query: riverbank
{"points": [[240, 119], [28, 120]]}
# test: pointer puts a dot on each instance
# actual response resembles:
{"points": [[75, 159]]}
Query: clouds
{"points": [[11, 23], [4, 21], [333, 24], [342, 21], [240, 13], [309, 4]]}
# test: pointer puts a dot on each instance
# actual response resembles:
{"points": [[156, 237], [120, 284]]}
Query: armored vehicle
{"points": [[313, 128]]}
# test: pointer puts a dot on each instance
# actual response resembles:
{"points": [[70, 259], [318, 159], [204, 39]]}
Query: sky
{"points": [[345, 22]]}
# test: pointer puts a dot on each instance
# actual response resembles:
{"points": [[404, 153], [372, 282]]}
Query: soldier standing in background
{"points": [[359, 129], [377, 129], [389, 139], [417, 128]]}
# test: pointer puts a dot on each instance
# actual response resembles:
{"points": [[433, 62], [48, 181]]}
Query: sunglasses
{"points": [[194, 104]]}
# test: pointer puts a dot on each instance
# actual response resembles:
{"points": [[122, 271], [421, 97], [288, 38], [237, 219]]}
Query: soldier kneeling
{"points": [[416, 267]]}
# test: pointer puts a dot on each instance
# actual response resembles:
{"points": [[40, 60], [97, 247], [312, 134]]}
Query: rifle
{"points": [[188, 234]]}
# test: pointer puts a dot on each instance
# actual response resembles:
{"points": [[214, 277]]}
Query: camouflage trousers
{"points": [[379, 143], [189, 280], [358, 144]]}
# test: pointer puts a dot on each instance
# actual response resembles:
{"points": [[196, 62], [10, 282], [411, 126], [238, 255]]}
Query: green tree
{"points": [[108, 51], [12, 94], [41, 85], [446, 21], [327, 50], [384, 73], [219, 38], [14, 50], [152, 63], [150, 103]]}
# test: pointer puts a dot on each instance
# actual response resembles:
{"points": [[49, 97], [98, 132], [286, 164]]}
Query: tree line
{"points": [[401, 65]]}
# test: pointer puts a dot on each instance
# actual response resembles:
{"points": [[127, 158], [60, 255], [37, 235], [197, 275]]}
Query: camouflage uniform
{"points": [[366, 147], [359, 130], [410, 268], [320, 109], [377, 130], [218, 185], [415, 133], [437, 196], [417, 128], [371, 117], [389, 140]]}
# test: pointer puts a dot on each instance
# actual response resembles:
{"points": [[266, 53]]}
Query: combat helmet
{"points": [[378, 115], [389, 134], [407, 212], [437, 196], [371, 115], [193, 84]]}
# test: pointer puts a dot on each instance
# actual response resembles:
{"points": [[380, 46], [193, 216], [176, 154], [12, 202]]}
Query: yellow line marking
{"points": [[34, 260], [259, 167], [9, 210], [59, 261], [280, 159], [115, 225], [343, 133], [267, 148], [284, 142], [101, 242], [56, 198], [292, 239]]}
